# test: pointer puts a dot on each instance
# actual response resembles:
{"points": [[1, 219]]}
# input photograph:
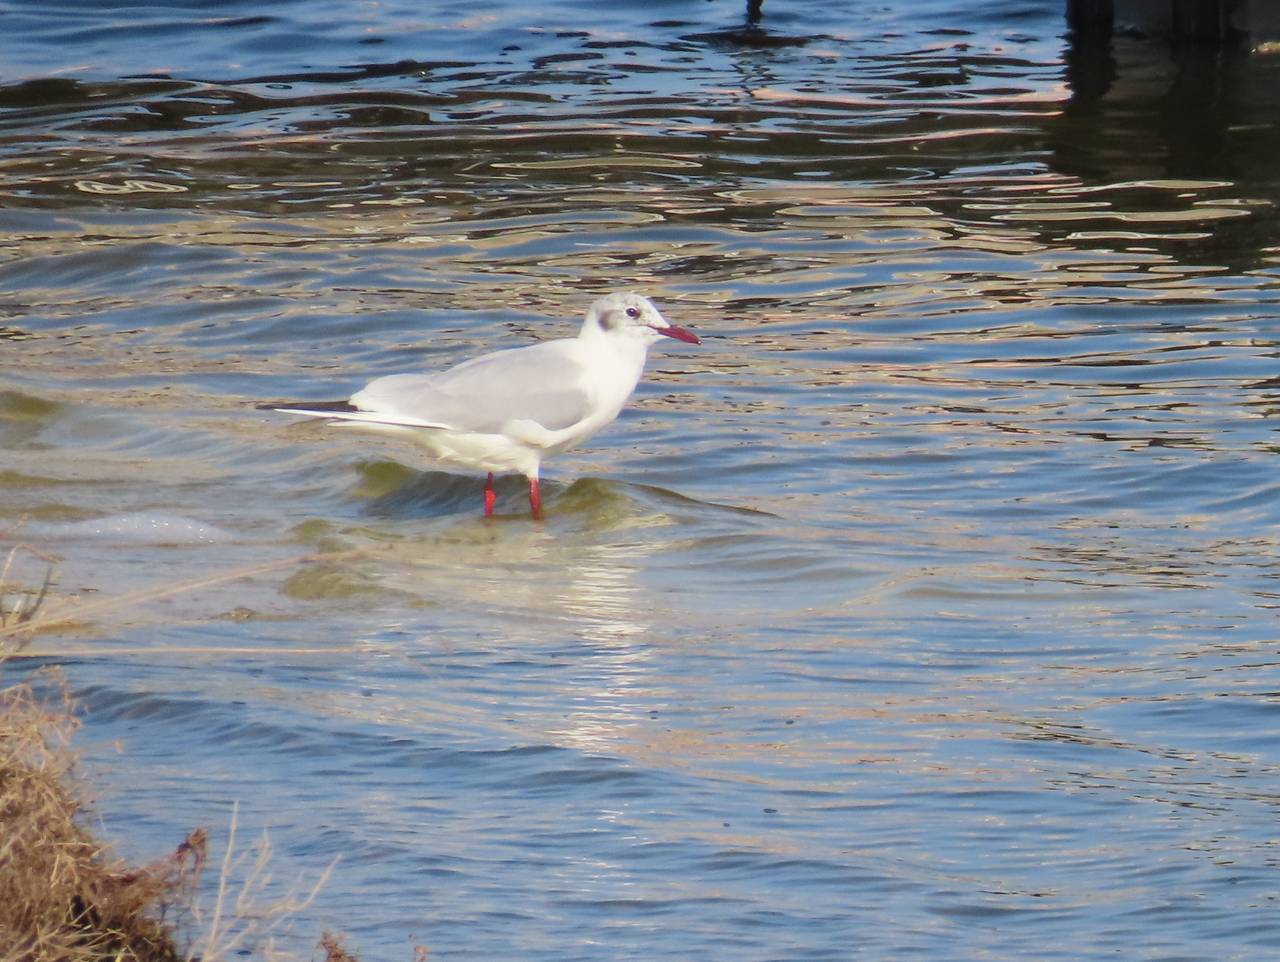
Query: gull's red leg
{"points": [[490, 496], [535, 498]]}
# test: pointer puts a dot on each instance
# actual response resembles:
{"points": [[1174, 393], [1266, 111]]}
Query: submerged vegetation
{"points": [[29, 613]]}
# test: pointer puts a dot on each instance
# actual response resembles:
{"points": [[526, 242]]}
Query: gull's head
{"points": [[630, 315]]}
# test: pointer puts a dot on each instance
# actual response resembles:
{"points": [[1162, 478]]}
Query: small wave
{"points": [[138, 528]]}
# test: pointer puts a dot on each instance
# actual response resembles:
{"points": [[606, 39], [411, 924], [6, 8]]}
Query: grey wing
{"points": [[543, 383]]}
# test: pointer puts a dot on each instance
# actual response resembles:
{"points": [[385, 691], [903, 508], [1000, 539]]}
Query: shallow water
{"points": [[926, 610]]}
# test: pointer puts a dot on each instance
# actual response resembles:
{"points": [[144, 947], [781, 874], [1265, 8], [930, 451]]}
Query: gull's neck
{"points": [[616, 359]]}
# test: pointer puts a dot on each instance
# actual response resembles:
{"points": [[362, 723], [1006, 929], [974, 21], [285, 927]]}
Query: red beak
{"points": [[679, 333]]}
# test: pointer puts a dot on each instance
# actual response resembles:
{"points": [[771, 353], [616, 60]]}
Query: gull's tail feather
{"points": [[324, 408], [346, 411]]}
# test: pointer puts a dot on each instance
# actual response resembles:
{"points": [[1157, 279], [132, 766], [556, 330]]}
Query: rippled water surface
{"points": [[927, 610]]}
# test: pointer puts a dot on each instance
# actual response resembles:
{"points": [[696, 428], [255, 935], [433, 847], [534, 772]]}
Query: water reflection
{"points": [[952, 545], [1191, 116]]}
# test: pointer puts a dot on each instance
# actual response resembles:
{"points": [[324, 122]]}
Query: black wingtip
{"points": [[337, 407]]}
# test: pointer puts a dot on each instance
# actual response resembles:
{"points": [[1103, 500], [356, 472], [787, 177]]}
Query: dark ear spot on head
{"points": [[608, 320]]}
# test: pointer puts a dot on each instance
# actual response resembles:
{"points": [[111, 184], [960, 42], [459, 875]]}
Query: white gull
{"points": [[507, 410]]}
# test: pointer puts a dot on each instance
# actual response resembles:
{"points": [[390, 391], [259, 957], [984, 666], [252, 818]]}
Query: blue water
{"points": [[925, 610]]}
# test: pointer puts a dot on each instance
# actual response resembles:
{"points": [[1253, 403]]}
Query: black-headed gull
{"points": [[507, 410]]}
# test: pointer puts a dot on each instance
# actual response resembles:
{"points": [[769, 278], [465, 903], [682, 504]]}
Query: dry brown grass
{"points": [[19, 606], [335, 949], [63, 896]]}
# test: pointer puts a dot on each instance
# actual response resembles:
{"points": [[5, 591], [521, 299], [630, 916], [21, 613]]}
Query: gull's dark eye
{"points": [[633, 312]]}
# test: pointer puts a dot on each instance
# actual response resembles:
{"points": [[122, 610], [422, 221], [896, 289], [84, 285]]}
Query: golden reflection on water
{"points": [[532, 576], [998, 363]]}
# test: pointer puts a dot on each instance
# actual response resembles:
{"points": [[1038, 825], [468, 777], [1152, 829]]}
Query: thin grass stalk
{"points": [[168, 591]]}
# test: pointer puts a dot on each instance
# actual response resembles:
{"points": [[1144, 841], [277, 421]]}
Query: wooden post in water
{"points": [[1206, 21], [1091, 17]]}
